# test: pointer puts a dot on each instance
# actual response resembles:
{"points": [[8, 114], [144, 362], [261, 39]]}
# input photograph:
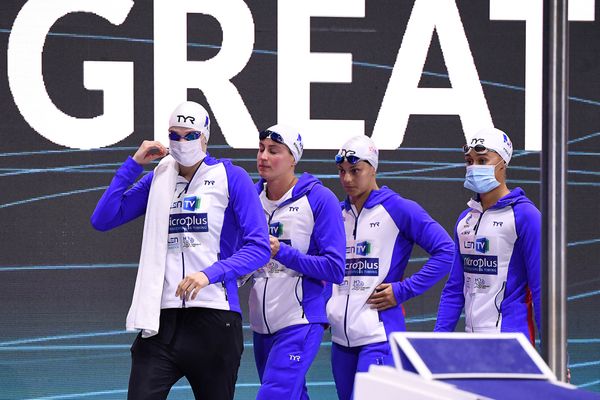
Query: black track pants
{"points": [[203, 344]]}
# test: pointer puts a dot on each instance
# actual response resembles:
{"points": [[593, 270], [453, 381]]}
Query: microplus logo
{"points": [[179, 223], [481, 245], [362, 267], [486, 265], [191, 203], [276, 229], [360, 249]]}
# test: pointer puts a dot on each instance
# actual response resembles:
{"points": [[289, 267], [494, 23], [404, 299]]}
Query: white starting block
{"points": [[465, 366]]}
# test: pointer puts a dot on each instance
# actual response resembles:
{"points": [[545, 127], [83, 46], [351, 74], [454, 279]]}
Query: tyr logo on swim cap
{"points": [[363, 147], [191, 115], [494, 139], [288, 136]]}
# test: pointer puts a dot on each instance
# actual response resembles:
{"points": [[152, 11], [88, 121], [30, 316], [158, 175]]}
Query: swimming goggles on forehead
{"points": [[347, 155], [193, 135], [276, 137], [478, 149]]}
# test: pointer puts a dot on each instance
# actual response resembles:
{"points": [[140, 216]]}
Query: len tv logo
{"points": [[276, 229], [191, 203], [360, 249], [363, 248], [481, 245]]}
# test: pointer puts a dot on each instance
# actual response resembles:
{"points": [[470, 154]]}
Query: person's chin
{"points": [[263, 172], [349, 190]]}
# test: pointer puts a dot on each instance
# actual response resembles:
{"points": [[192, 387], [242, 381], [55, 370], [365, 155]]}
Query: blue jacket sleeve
{"points": [[452, 299], [119, 204], [254, 250], [328, 263], [417, 226], [529, 232]]}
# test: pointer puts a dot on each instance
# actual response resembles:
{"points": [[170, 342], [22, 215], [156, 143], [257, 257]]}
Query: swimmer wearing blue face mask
{"points": [[487, 151], [495, 276]]}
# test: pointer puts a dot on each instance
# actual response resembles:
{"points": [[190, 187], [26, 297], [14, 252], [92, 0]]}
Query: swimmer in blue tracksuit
{"points": [[496, 272], [289, 293], [203, 229], [381, 230]]}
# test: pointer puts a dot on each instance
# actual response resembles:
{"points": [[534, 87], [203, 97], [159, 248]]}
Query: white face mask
{"points": [[187, 153]]}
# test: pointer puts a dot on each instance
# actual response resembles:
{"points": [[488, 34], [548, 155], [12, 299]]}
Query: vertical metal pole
{"points": [[554, 186]]}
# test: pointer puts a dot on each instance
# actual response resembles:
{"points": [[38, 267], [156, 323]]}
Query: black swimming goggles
{"points": [[193, 135], [478, 148], [346, 155], [276, 137]]}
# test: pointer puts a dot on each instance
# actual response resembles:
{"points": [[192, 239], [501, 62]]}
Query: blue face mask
{"points": [[481, 178]]}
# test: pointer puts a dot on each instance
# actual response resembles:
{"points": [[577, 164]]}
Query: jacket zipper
{"points": [[496, 304], [264, 299], [348, 295], [297, 297], [478, 222], [355, 224], [503, 283], [265, 305], [185, 189], [473, 294], [346, 319], [183, 277], [224, 290]]}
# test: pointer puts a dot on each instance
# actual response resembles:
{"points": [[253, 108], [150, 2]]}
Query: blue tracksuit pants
{"points": [[283, 358], [347, 361]]}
